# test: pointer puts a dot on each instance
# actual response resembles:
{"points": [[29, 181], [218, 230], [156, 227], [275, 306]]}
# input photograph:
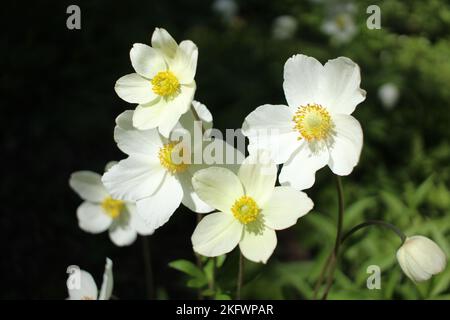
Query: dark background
{"points": [[58, 110]]}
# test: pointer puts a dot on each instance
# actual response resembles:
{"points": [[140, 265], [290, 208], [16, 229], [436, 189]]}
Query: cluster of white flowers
{"points": [[140, 193]]}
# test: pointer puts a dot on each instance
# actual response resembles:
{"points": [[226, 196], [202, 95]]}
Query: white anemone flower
{"points": [[81, 284], [250, 208], [100, 212], [420, 258], [316, 127], [157, 173], [163, 84]]}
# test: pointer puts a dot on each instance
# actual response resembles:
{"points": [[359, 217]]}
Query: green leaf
{"points": [[197, 282], [187, 267]]}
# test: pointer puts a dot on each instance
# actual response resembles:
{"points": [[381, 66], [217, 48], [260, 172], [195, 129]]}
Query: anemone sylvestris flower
{"points": [[100, 212], [157, 173], [163, 84], [250, 208], [316, 128]]}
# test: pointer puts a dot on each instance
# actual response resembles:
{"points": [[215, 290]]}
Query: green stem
{"points": [[381, 223], [367, 223], [240, 276], [329, 264], [198, 259], [148, 267]]}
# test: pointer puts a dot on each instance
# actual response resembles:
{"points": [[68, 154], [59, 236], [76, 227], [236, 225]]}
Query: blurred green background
{"points": [[59, 106]]}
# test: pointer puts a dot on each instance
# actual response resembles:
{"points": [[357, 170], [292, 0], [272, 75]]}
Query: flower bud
{"points": [[420, 258]]}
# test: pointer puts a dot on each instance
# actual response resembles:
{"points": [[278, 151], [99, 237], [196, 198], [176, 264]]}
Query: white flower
{"points": [[284, 27], [316, 128], [81, 285], [163, 84], [250, 208], [100, 212], [388, 94], [157, 174], [420, 258], [340, 25]]}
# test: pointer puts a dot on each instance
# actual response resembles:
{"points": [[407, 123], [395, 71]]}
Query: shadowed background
{"points": [[58, 111]]}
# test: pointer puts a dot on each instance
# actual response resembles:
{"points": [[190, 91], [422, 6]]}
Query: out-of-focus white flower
{"points": [[163, 84], [227, 9], [420, 258], [100, 212], [339, 24], [284, 27], [81, 284], [388, 94], [250, 208], [157, 173], [316, 128]]}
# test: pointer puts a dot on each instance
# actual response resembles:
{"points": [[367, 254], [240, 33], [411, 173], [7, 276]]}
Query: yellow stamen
{"points": [[166, 154], [313, 122], [112, 207], [166, 84], [245, 209]]}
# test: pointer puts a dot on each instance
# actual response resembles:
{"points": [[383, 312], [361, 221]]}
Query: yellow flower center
{"points": [[166, 157], [165, 84], [245, 209], [313, 122], [112, 207]]}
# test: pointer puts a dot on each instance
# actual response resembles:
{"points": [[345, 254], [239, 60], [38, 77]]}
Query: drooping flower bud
{"points": [[420, 258]]}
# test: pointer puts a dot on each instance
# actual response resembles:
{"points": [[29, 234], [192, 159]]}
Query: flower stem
{"points": [[148, 267], [198, 259], [367, 223], [332, 257], [240, 276], [381, 223]]}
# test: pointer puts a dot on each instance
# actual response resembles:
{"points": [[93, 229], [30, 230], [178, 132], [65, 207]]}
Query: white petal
{"points": [[122, 234], [81, 286], [146, 61], [135, 89], [157, 209], [342, 78], [92, 218], [299, 172], [133, 141], [258, 247], [163, 41], [176, 108], [190, 198], [284, 207], [133, 178], [88, 185], [148, 116], [108, 281], [346, 147], [302, 77], [270, 127], [258, 175], [216, 234], [218, 187], [137, 222], [184, 65], [205, 116]]}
